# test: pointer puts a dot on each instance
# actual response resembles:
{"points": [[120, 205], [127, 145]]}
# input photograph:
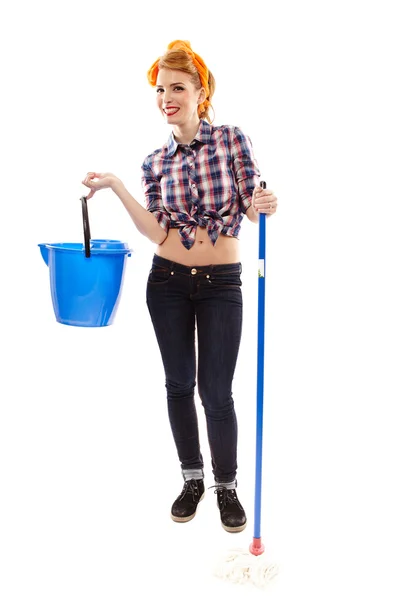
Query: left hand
{"points": [[264, 201]]}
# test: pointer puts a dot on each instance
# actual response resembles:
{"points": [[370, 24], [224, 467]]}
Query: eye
{"points": [[159, 90], [180, 88]]}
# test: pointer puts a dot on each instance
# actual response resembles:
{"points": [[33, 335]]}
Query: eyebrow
{"points": [[177, 83]]}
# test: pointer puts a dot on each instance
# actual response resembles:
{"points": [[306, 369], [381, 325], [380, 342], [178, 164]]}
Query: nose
{"points": [[167, 96]]}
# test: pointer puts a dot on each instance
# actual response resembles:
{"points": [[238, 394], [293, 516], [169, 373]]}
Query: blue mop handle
{"points": [[260, 369]]}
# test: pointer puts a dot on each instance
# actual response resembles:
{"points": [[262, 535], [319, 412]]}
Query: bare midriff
{"points": [[203, 252]]}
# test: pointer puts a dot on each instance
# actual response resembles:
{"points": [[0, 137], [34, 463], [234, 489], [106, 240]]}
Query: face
{"points": [[177, 97]]}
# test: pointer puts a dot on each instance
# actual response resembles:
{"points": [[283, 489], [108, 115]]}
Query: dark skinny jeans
{"points": [[182, 299]]}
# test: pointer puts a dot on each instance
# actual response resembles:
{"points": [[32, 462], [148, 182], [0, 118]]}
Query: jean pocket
{"points": [[225, 279], [158, 275]]}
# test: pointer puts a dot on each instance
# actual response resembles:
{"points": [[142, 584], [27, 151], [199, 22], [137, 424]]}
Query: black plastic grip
{"points": [[86, 227]]}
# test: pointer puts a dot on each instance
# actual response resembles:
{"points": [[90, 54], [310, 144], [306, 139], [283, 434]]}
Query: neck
{"points": [[184, 134]]}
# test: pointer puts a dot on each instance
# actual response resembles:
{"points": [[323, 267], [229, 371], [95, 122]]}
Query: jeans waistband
{"points": [[159, 261]]}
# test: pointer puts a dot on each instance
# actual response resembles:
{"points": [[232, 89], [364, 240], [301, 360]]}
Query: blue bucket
{"points": [[86, 280]]}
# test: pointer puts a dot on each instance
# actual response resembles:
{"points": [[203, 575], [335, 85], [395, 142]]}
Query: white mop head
{"points": [[241, 567]]}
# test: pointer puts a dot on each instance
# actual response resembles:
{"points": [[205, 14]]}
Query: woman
{"points": [[197, 188]]}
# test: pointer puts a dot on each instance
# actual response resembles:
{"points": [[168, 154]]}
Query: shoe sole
{"points": [[189, 518], [234, 529]]}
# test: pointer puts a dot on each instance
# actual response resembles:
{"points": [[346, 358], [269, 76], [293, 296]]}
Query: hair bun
{"points": [[181, 45]]}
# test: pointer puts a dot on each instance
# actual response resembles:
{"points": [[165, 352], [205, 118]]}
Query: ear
{"points": [[202, 96]]}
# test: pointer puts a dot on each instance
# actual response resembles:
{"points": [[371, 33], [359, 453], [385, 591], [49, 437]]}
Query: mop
{"points": [[238, 565]]}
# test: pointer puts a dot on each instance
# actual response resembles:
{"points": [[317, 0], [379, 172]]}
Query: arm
{"points": [[145, 221], [153, 222], [253, 198], [246, 171]]}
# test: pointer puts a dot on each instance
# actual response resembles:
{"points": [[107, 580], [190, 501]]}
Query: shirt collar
{"points": [[203, 135]]}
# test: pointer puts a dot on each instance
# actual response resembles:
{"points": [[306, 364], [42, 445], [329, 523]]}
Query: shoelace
{"points": [[190, 487], [227, 496]]}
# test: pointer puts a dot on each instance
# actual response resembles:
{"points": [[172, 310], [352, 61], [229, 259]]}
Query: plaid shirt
{"points": [[208, 183]]}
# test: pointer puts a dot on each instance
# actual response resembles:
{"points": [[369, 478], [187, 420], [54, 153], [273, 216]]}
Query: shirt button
{"points": [[193, 271], [193, 185]]}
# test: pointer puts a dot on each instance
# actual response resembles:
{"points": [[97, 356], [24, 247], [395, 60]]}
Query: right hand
{"points": [[103, 181]]}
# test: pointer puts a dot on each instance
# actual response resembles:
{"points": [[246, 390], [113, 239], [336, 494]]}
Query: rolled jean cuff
{"points": [[231, 485], [192, 474]]}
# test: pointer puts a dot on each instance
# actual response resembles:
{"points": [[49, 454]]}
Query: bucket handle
{"points": [[86, 228]]}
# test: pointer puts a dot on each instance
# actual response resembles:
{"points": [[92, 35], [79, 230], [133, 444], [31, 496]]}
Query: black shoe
{"points": [[185, 506], [233, 517]]}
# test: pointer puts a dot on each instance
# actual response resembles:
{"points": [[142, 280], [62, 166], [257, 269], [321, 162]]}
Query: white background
{"points": [[88, 470]]}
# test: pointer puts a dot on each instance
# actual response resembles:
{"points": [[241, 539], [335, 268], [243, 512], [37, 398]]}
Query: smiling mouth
{"points": [[171, 111]]}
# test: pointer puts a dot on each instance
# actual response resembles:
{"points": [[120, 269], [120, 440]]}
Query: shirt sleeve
{"points": [[153, 198], [245, 166]]}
